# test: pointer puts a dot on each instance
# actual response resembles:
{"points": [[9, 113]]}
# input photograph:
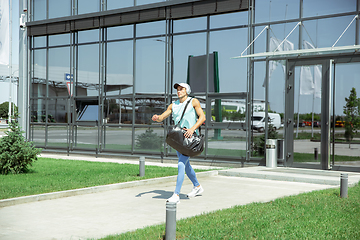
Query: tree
{"points": [[16, 154], [4, 110], [351, 111]]}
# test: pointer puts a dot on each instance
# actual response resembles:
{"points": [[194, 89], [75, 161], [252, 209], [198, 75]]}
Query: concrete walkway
{"points": [[118, 209]]}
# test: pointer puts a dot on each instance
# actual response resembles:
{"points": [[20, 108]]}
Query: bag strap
{"points": [[184, 111]]}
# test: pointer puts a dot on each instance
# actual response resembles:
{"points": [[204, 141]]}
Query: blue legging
{"points": [[184, 166]]}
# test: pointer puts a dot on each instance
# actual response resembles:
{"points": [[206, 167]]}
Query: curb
{"points": [[81, 191]]}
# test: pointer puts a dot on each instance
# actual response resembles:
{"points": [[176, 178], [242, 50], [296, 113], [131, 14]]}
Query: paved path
{"points": [[96, 215]]}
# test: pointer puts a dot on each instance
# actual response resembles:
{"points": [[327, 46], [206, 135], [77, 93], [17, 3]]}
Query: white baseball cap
{"points": [[184, 85]]}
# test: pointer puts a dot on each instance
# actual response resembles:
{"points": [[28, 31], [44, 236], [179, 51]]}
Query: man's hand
{"points": [[189, 132], [155, 118]]}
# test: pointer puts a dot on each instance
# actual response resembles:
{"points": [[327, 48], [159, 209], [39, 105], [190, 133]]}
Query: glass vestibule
{"points": [[327, 147]]}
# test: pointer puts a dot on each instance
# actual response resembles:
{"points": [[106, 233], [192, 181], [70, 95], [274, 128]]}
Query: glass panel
{"points": [[347, 150], [57, 136], [151, 28], [146, 107], [317, 7], [59, 68], [149, 140], [37, 135], [318, 33], [118, 139], [88, 6], [279, 33], [88, 36], [61, 39], [86, 137], [59, 8], [184, 46], [38, 87], [39, 42], [119, 77], [143, 2], [38, 113], [57, 110], [232, 72], [227, 20], [88, 71], [257, 127], [275, 10], [87, 111], [306, 138], [111, 111], [120, 32], [191, 24], [115, 4], [39, 10], [150, 65]]}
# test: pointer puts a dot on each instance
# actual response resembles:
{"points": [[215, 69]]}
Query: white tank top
{"points": [[190, 117]]}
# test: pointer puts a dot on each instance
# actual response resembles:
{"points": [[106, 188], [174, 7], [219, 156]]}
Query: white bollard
{"points": [[142, 166], [170, 230]]}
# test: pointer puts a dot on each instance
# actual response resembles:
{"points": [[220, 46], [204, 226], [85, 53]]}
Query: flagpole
{"points": [[10, 58]]}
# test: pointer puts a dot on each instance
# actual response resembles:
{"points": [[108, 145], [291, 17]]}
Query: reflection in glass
{"points": [[60, 39], [38, 87], [39, 10], [119, 77], [232, 72], [88, 36], [39, 42], [88, 6], [184, 46], [190, 24], [317, 7], [120, 32], [59, 69], [88, 71], [112, 113], [151, 28], [86, 137], [318, 33], [150, 65], [143, 2], [57, 110], [37, 135], [146, 107], [229, 19], [38, 113], [59, 8], [149, 139], [115, 4], [57, 136], [346, 78], [118, 139], [276, 10]]}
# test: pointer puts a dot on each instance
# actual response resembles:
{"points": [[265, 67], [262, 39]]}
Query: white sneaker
{"points": [[195, 192], [174, 198]]}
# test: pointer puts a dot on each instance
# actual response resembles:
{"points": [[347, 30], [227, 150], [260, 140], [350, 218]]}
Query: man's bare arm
{"points": [[163, 116]]}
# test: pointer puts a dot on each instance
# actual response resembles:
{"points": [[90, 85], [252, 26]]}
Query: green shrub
{"points": [[149, 140], [15, 152]]}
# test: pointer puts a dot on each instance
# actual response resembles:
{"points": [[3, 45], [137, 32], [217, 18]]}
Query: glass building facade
{"points": [[98, 70]]}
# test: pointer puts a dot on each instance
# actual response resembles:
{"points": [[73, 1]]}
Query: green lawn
{"points": [[316, 215], [51, 175]]}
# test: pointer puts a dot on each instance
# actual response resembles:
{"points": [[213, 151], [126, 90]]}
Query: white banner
{"points": [[306, 81], [4, 32], [286, 46], [308, 84]]}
